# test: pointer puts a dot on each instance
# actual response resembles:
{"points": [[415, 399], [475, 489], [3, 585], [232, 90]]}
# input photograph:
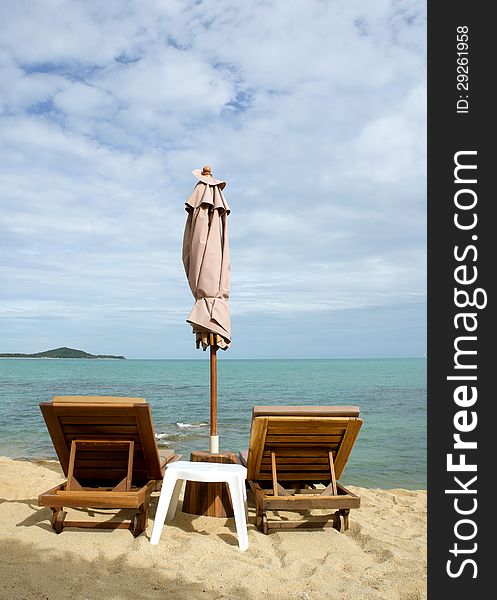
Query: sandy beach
{"points": [[382, 556]]}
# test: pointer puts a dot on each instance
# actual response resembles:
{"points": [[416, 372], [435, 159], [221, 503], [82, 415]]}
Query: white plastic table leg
{"points": [[173, 503], [239, 510], [168, 487], [245, 504]]}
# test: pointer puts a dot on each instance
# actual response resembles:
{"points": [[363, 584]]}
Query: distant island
{"points": [[61, 353]]}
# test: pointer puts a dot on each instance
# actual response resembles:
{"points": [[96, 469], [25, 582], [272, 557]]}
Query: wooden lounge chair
{"points": [[292, 450], [107, 450]]}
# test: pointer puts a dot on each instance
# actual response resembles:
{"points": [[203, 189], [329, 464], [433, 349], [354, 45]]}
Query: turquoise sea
{"points": [[390, 451]]}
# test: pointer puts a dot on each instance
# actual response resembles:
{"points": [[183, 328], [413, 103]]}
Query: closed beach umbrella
{"points": [[206, 259]]}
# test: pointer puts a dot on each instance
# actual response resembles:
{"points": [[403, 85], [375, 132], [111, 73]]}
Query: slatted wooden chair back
{"points": [[305, 443], [111, 435]]}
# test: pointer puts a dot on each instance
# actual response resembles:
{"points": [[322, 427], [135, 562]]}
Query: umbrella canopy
{"points": [[206, 259]]}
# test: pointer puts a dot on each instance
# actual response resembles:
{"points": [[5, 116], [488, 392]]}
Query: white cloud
{"points": [[84, 100]]}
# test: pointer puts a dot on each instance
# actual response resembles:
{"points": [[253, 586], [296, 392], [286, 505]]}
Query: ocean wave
{"points": [[178, 433]]}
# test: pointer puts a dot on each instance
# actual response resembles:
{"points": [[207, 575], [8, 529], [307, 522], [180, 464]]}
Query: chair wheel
{"points": [[265, 528], [59, 521], [139, 523], [136, 525]]}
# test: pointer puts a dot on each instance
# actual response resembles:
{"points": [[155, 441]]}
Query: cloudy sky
{"points": [[313, 111]]}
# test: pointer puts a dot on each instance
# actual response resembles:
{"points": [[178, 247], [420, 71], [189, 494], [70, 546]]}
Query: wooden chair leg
{"points": [[337, 522], [345, 514], [258, 516], [145, 518], [53, 516]]}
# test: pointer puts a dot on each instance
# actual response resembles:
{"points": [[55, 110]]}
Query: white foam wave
{"points": [[191, 425]]}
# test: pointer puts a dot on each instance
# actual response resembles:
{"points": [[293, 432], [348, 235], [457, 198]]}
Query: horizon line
{"points": [[285, 358]]}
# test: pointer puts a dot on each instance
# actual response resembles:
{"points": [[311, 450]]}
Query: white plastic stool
{"points": [[182, 470]]}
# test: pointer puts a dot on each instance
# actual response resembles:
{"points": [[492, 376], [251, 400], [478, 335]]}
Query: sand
{"points": [[382, 556]]}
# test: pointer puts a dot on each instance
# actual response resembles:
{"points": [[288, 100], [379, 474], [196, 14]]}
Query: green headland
{"points": [[60, 353]]}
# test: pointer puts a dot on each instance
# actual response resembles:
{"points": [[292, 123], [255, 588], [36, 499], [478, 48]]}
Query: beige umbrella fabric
{"points": [[206, 259]]}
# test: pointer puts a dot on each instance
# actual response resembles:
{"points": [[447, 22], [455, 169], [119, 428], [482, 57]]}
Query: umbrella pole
{"points": [[214, 438]]}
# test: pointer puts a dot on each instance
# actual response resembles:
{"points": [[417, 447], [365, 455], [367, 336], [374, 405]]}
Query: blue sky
{"points": [[314, 113]]}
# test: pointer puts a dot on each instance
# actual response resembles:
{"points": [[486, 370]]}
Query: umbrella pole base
{"points": [[209, 499], [214, 444]]}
